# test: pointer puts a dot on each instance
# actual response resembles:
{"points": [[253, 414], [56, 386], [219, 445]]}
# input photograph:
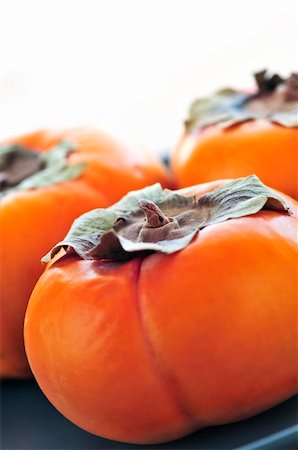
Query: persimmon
{"points": [[233, 134], [144, 331], [47, 179]]}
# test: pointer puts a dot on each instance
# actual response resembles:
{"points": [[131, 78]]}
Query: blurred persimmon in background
{"points": [[234, 134], [47, 179]]}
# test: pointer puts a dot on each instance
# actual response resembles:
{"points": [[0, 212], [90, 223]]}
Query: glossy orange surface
{"points": [[32, 221], [268, 150], [151, 349]]}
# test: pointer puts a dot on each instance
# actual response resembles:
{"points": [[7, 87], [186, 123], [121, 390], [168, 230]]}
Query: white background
{"points": [[133, 67]]}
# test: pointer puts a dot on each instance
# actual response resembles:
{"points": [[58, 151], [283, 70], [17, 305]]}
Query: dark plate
{"points": [[29, 421]]}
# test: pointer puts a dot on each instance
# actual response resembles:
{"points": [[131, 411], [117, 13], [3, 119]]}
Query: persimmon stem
{"points": [[154, 216]]}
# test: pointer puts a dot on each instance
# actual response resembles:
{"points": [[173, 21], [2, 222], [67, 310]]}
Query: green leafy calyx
{"points": [[275, 100], [171, 220], [22, 168]]}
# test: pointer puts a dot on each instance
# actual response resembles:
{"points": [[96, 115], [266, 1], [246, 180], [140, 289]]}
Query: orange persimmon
{"points": [[47, 179], [146, 331], [232, 134]]}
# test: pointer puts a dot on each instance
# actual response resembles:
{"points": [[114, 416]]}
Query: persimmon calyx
{"points": [[16, 164], [22, 168], [275, 100], [171, 220]]}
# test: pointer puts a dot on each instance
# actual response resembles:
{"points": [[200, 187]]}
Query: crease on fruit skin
{"points": [[168, 380]]}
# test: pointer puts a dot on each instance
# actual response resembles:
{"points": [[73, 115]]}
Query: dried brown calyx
{"points": [[153, 219], [157, 225], [22, 168], [275, 94], [275, 100], [291, 92], [17, 164]]}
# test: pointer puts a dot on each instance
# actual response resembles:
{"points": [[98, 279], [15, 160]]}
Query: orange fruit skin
{"points": [[149, 350], [268, 150], [31, 222]]}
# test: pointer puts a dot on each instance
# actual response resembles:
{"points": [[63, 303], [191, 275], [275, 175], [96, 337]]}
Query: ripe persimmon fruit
{"points": [[47, 179], [145, 330], [233, 134]]}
